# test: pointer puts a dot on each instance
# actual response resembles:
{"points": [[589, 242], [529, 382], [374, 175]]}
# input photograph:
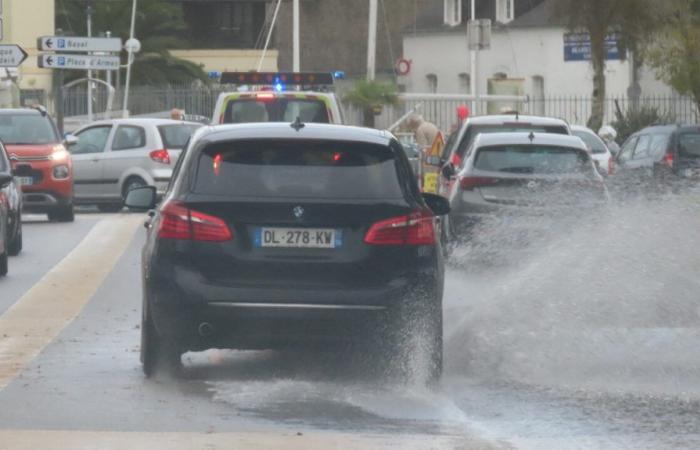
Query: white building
{"points": [[527, 54]]}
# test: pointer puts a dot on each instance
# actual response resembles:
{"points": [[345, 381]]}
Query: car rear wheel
{"points": [[62, 214], [157, 354], [4, 261], [15, 246]]}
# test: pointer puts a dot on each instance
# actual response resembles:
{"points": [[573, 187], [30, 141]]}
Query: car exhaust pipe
{"points": [[205, 329]]}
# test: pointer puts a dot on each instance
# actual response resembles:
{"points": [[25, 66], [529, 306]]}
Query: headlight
{"points": [[61, 172], [59, 153]]}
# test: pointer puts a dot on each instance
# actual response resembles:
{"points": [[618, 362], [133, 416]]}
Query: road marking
{"points": [[50, 305], [89, 440]]}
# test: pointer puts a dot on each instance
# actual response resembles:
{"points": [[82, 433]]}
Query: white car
{"points": [[111, 157], [602, 157]]}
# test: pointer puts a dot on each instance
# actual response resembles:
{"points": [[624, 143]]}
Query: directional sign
{"points": [[78, 44], [80, 62], [12, 55]]}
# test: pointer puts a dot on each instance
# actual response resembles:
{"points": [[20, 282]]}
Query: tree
{"points": [[159, 23], [632, 19], [371, 97], [676, 55]]}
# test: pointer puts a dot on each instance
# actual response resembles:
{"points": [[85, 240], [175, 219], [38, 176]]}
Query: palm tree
{"points": [[371, 97], [159, 25]]}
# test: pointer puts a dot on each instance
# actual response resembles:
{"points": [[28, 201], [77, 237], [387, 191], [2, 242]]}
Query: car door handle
{"points": [[149, 222]]}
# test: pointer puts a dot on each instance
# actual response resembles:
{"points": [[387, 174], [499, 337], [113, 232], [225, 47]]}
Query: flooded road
{"points": [[587, 341]]}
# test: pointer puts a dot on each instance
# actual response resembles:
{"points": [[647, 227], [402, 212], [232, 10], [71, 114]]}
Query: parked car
{"points": [[38, 155], [11, 194], [111, 157], [659, 157], [457, 145], [514, 179], [602, 157], [266, 239]]}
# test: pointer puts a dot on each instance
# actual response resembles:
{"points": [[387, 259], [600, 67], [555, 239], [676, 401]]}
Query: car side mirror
{"points": [[141, 198], [437, 203], [70, 140], [5, 179], [448, 170], [22, 170]]}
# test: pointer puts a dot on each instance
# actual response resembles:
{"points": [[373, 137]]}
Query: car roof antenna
{"points": [[531, 136], [298, 124]]}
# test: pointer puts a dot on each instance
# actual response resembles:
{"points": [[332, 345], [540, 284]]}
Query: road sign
{"points": [[577, 47], [11, 55], [78, 44], [80, 62]]}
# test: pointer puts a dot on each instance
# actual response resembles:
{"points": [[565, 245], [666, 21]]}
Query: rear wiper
{"points": [[518, 169]]}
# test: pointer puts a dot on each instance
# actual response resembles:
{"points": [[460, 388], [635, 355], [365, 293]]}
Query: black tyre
{"points": [[15, 247], [157, 354], [110, 207], [62, 214], [4, 263]]}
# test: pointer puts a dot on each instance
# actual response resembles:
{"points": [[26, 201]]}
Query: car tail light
{"points": [[456, 160], [668, 160], [469, 183], [181, 223], [160, 156], [415, 229], [611, 166]]}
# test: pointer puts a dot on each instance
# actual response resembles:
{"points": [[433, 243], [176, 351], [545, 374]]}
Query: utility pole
{"points": [[473, 64], [372, 41], [296, 65], [109, 72], [58, 93], [130, 60], [89, 72]]}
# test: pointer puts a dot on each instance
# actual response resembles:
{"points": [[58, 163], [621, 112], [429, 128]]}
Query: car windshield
{"points": [[314, 169], [27, 129], [531, 159], [593, 142], [175, 136], [276, 109], [689, 145]]}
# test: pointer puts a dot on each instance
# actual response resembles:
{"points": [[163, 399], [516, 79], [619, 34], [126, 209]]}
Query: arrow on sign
{"points": [[12, 55], [49, 60], [49, 43]]}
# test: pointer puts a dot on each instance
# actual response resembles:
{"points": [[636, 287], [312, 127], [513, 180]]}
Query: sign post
{"points": [[78, 62]]}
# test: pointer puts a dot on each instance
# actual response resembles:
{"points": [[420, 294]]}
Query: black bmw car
{"points": [[304, 235], [10, 212]]}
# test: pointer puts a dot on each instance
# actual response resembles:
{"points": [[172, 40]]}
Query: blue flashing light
{"points": [[279, 87], [339, 75]]}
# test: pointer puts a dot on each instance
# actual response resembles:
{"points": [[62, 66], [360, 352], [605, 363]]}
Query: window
{"points": [[91, 140], [465, 82], [432, 83], [129, 137], [453, 12], [531, 159], [28, 129], [276, 110], [538, 95], [505, 11], [593, 142], [270, 169], [627, 149], [641, 151], [175, 136], [689, 145]]}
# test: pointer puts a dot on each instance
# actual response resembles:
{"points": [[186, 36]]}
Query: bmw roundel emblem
{"points": [[298, 212]]}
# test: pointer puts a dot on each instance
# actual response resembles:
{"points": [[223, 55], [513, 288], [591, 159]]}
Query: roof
{"points": [[23, 111], [668, 128], [141, 121], [284, 130], [542, 15], [277, 93], [491, 139], [515, 118]]}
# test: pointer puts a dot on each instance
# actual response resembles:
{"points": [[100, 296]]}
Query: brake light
{"points": [[160, 156], [668, 160], [265, 96], [469, 183], [415, 229], [181, 223]]}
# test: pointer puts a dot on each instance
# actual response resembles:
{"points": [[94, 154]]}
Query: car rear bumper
{"points": [[44, 201]]}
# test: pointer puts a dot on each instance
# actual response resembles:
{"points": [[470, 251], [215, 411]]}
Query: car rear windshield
{"points": [[689, 145], [175, 136], [298, 169], [276, 109], [29, 129], [532, 159], [592, 141], [474, 130]]}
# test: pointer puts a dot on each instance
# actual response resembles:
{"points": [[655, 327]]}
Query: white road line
{"points": [[44, 311]]}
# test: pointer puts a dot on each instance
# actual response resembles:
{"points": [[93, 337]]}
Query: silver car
{"points": [[112, 157]]}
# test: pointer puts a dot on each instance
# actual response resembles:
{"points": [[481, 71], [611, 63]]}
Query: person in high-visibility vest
{"points": [[424, 131]]}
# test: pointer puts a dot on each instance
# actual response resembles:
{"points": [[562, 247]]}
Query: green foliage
{"points": [[676, 56], [371, 97], [159, 23], [635, 119]]}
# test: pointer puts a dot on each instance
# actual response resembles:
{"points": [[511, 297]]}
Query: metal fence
{"points": [[441, 110]]}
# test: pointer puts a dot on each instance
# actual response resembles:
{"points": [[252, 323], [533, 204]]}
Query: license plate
{"points": [[298, 238], [25, 181]]}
